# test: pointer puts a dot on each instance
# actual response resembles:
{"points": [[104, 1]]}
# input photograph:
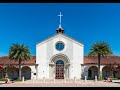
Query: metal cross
{"points": [[60, 17]]}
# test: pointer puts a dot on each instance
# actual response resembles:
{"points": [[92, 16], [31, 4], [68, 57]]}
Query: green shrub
{"points": [[2, 79], [115, 78]]}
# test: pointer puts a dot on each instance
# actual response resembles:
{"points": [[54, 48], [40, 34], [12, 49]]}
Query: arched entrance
{"points": [[92, 72], [59, 69], [106, 71], [12, 72], [59, 66], [26, 72], [118, 72]]}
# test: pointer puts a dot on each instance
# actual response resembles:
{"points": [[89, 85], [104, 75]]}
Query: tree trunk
{"points": [[6, 73], [19, 69], [99, 57]]}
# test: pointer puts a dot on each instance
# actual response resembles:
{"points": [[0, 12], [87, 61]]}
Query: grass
{"points": [[115, 78], [2, 79]]}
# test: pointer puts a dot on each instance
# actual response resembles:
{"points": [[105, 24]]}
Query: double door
{"points": [[59, 71]]}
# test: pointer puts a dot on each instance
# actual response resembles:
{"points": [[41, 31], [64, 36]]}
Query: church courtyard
{"points": [[62, 83]]}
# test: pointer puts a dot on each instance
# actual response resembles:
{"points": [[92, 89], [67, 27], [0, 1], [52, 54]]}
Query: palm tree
{"points": [[100, 49], [19, 53]]}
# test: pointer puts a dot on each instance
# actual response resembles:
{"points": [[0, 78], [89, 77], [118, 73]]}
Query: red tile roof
{"points": [[104, 60], [87, 60], [6, 60]]}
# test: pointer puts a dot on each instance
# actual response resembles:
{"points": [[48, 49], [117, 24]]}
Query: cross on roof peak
{"points": [[60, 17]]}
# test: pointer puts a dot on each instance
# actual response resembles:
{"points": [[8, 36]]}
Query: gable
{"points": [[62, 35]]}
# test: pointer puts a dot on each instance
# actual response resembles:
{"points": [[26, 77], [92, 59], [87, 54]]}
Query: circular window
{"points": [[60, 46]]}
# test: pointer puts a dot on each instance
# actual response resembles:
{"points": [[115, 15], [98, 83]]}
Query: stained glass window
{"points": [[59, 46]]}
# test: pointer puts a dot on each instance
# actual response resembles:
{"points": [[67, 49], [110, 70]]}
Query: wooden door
{"points": [[59, 71]]}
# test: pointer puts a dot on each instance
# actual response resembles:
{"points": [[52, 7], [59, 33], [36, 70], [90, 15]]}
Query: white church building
{"points": [[60, 57]]}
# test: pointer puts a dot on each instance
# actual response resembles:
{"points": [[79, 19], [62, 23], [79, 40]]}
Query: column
{"points": [[85, 78], [54, 72], [37, 72], [50, 71], [67, 73], [101, 71], [64, 73]]}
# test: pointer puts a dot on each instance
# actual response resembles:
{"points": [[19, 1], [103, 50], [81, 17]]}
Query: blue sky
{"points": [[30, 23]]}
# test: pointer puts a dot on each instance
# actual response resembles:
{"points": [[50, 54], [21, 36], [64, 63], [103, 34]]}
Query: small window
{"points": [[34, 73]]}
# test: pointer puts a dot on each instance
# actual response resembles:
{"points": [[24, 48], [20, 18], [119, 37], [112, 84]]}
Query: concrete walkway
{"points": [[62, 83]]}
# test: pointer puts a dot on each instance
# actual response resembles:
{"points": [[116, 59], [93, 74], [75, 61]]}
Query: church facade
{"points": [[59, 57]]}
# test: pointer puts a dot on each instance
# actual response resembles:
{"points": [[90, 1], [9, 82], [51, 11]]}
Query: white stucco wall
{"points": [[77, 60], [33, 70], [41, 60], [46, 50]]}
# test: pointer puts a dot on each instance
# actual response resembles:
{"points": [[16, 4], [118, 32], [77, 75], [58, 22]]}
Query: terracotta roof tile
{"points": [[104, 60], [6, 60], [87, 60]]}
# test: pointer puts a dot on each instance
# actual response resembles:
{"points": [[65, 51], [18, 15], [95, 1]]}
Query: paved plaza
{"points": [[62, 83]]}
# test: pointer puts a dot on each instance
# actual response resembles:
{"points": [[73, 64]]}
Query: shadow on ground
{"points": [[2, 83], [117, 82]]}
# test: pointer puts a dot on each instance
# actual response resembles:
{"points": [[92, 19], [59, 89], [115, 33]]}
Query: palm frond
{"points": [[101, 48], [19, 52]]}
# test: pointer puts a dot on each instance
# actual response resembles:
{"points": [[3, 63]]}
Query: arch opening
{"points": [[92, 72], [26, 72]]}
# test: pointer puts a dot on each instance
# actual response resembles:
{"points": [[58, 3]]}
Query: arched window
{"points": [[59, 62]]}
